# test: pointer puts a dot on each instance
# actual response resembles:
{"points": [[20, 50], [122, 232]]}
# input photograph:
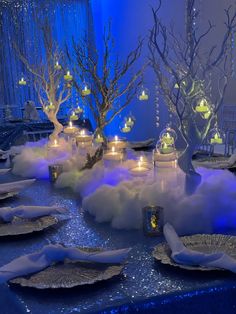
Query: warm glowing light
{"points": [[116, 138], [113, 149], [83, 132], [70, 124]]}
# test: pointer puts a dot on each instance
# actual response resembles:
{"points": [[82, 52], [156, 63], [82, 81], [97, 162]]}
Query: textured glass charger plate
{"points": [[3, 196], [21, 226], [70, 274], [204, 243]]}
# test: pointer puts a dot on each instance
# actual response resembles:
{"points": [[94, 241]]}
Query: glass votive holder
{"points": [[54, 172], [153, 220]]}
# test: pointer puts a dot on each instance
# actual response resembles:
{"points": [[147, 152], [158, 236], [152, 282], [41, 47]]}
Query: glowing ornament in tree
{"points": [[22, 82], [168, 136], [51, 106], [216, 136], [57, 66], [203, 105], [143, 94], [130, 120], [99, 139], [86, 90], [125, 128], [73, 116], [68, 77], [78, 110]]}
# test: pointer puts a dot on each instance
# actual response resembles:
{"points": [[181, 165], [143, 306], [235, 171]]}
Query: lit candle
{"points": [[22, 81], [73, 116], [86, 91], [117, 143], [166, 149], [130, 122], [140, 169], [113, 154], [84, 136], [217, 139], [68, 77], [202, 106], [99, 139], [57, 66], [70, 129], [143, 96], [126, 129]]}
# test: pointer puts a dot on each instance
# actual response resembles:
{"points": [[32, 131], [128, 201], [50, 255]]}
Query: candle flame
{"points": [[141, 159], [83, 132], [70, 124], [143, 93], [116, 138], [113, 149], [68, 73], [55, 142]]}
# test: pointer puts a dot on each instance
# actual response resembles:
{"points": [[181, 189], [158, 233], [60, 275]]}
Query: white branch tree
{"points": [[48, 79], [183, 62]]}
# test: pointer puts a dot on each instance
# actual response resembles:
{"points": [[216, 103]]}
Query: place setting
{"points": [[12, 189], [60, 267], [198, 252], [23, 220]]}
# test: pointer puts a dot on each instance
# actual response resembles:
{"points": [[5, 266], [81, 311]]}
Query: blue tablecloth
{"points": [[10, 132], [146, 287]]}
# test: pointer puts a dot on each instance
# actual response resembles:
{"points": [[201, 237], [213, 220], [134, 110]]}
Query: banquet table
{"points": [[145, 286]]}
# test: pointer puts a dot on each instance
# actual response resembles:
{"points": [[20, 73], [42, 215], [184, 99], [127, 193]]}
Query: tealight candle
{"points": [[168, 139], [57, 66], [216, 139], [54, 144], [86, 91], [117, 143], [70, 129], [202, 106], [68, 77], [143, 96], [84, 136], [78, 110], [73, 116], [126, 129], [113, 154], [166, 149], [51, 106], [140, 169], [129, 122], [99, 139], [22, 81]]}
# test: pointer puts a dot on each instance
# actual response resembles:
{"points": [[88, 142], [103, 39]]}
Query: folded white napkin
{"points": [[35, 262], [8, 213], [15, 186], [3, 171], [181, 255]]}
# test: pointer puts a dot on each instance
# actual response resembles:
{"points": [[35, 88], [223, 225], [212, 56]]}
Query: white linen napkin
{"points": [[8, 213], [15, 186], [181, 255], [35, 262]]}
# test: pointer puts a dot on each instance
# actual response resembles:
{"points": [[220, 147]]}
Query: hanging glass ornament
{"points": [[86, 89], [216, 136], [68, 77], [143, 94], [22, 81], [168, 136], [203, 105], [130, 120]]}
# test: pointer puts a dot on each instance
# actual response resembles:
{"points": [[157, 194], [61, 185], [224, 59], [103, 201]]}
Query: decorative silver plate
{"points": [[24, 226], [8, 195], [70, 274], [200, 242]]}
